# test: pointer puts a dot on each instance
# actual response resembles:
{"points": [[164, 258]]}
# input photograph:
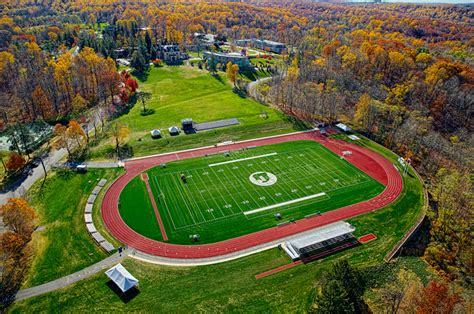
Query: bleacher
{"points": [[104, 244]]}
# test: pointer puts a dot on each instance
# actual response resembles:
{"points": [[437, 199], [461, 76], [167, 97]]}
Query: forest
{"points": [[403, 75]]}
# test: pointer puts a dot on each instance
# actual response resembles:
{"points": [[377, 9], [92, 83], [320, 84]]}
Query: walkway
{"points": [[36, 174], [72, 278], [371, 163]]}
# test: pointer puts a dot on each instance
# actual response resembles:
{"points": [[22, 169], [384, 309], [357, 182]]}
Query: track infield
{"points": [[375, 166], [234, 193]]}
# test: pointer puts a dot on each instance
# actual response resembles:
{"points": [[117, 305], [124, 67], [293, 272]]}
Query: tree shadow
{"points": [[218, 78], [418, 242], [240, 92], [141, 76], [124, 296]]}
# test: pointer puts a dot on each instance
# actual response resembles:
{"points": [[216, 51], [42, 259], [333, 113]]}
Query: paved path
{"points": [[72, 278], [36, 173]]}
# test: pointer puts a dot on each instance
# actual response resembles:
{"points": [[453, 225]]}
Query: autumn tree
{"points": [[400, 294], [120, 135], [232, 70], [18, 218], [15, 162], [437, 297], [79, 104], [450, 250], [63, 140], [75, 133]]}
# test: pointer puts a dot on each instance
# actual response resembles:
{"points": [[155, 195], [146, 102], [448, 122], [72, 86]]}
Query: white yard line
{"points": [[284, 203], [242, 159]]}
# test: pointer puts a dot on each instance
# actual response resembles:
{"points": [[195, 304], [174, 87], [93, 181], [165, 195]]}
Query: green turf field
{"points": [[230, 195]]}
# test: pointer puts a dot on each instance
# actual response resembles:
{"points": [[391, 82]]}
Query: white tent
{"points": [[121, 277], [173, 130], [155, 133]]}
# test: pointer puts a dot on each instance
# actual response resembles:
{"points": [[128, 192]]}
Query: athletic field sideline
{"points": [[226, 195]]}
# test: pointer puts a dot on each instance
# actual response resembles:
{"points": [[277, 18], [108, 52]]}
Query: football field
{"points": [[240, 192]]}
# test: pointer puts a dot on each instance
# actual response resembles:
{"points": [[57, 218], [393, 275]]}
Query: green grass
{"points": [[213, 201], [184, 92], [231, 286], [64, 246]]}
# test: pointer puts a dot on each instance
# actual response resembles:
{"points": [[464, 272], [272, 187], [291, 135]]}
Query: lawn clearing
{"points": [[229, 195], [180, 92], [64, 246]]}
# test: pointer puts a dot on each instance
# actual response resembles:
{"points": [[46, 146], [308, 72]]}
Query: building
{"points": [[224, 58], [263, 44], [269, 45], [170, 53], [321, 242]]}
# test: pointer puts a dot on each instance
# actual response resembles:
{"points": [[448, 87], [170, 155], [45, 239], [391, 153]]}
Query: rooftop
{"points": [[322, 234]]}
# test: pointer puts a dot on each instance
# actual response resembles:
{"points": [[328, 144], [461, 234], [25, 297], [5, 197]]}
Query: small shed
{"points": [[81, 168], [187, 125], [122, 278], [174, 130], [155, 133], [343, 127]]}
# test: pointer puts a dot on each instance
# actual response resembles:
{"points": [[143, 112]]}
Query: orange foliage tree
{"points": [[15, 162]]}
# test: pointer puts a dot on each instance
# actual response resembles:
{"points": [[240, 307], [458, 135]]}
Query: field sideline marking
{"points": [[242, 159], [284, 203]]}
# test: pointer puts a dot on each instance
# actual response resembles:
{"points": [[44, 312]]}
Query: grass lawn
{"points": [[219, 200], [231, 286], [185, 92], [64, 246]]}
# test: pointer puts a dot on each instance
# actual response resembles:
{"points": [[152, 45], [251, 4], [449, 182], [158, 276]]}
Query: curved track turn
{"points": [[371, 163]]}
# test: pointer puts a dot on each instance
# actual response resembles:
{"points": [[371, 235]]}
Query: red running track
{"points": [[373, 164]]}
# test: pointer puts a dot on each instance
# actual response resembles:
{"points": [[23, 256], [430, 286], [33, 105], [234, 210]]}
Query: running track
{"points": [[373, 164]]}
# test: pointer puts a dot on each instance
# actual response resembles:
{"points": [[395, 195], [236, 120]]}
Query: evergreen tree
{"points": [[138, 62], [148, 42], [333, 298], [341, 291]]}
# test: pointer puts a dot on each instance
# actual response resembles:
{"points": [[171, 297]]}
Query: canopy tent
{"points": [[121, 277], [155, 133], [174, 130]]}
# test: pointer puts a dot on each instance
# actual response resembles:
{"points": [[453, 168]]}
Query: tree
{"points": [[341, 291], [450, 250], [401, 294], [79, 104], [120, 135], [144, 97], [15, 162], [437, 298], [333, 298], [63, 139], [18, 217], [232, 70], [75, 133], [138, 61]]}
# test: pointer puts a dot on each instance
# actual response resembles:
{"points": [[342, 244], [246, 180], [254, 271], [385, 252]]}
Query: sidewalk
{"points": [[72, 278]]}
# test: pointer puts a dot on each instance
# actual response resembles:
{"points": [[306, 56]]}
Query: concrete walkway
{"points": [[72, 278], [36, 173]]}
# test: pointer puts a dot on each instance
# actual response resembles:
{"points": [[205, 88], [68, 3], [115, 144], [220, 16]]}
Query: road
{"points": [[36, 173]]}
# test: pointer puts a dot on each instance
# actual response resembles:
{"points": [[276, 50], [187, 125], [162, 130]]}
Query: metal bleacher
{"points": [[104, 244]]}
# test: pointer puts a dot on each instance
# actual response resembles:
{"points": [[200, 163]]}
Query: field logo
{"points": [[263, 178]]}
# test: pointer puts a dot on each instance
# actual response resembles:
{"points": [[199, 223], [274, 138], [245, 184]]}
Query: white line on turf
{"points": [[242, 159], [297, 200]]}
